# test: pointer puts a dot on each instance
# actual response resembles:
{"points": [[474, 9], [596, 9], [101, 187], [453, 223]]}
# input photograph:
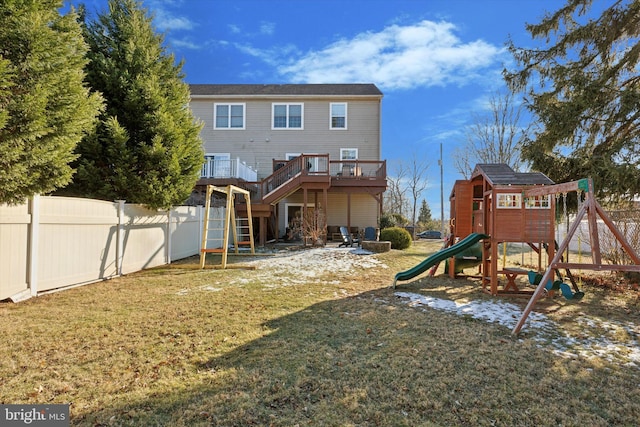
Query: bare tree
{"points": [[407, 178], [416, 183], [494, 137], [396, 190]]}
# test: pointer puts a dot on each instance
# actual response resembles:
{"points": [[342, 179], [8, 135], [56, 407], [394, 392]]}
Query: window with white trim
{"points": [[348, 154], [509, 201], [287, 116], [229, 116], [338, 112], [538, 202], [350, 168]]}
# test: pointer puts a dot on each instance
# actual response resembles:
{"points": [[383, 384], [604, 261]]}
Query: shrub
{"points": [[399, 219], [399, 237], [387, 221]]}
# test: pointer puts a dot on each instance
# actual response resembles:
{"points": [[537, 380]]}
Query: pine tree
{"points": [[584, 87], [45, 108], [425, 213], [147, 147]]}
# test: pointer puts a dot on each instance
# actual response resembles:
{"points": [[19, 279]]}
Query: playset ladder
{"points": [[244, 235]]}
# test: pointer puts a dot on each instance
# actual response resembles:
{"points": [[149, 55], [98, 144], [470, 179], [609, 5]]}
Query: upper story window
{"points": [[350, 168], [288, 116], [348, 154], [229, 116], [338, 112]]}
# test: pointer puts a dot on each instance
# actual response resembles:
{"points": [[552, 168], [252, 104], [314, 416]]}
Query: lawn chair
{"points": [[370, 234], [347, 240]]}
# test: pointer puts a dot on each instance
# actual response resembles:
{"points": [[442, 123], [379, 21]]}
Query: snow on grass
{"points": [[599, 337], [301, 267]]}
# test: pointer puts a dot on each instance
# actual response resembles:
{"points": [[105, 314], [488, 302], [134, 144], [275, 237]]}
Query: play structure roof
{"points": [[502, 174]]}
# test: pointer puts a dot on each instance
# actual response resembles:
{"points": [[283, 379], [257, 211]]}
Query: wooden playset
{"points": [[492, 202], [498, 206], [510, 207]]}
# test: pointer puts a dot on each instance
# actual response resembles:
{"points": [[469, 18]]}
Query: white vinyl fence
{"points": [[53, 242]]}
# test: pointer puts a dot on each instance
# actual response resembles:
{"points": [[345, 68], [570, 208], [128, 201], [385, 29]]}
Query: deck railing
{"points": [[358, 169], [228, 168], [285, 170], [316, 165]]}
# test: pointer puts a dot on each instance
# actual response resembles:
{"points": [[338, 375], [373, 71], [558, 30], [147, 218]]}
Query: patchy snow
{"points": [[302, 267], [597, 340], [319, 260], [501, 312]]}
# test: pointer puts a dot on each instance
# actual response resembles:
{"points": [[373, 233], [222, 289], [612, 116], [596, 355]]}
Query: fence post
{"points": [[120, 238], [200, 226], [168, 239], [34, 237]]}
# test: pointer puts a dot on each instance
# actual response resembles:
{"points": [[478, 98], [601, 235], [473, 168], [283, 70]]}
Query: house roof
{"points": [[349, 89], [502, 174]]}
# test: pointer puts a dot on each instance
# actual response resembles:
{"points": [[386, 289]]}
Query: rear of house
{"points": [[309, 150]]}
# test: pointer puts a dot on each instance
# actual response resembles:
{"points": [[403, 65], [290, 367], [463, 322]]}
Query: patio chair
{"points": [[347, 239], [370, 234]]}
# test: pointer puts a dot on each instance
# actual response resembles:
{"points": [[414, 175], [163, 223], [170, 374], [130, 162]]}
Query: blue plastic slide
{"points": [[440, 256]]}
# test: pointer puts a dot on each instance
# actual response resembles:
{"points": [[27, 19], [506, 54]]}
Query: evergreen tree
{"points": [[147, 147], [45, 108], [584, 87], [425, 213]]}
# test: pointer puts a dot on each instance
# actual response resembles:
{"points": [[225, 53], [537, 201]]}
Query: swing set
{"points": [[500, 206], [592, 210]]}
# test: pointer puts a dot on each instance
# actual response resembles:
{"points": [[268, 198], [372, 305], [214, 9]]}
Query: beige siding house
{"points": [[311, 148]]}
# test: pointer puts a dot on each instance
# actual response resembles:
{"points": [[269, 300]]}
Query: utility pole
{"points": [[441, 192]]}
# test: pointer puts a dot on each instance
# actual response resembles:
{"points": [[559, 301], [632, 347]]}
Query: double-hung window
{"points": [[349, 168], [338, 111], [288, 116], [229, 116], [348, 154]]}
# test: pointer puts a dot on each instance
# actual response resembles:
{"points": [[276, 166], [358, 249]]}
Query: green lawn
{"points": [[317, 338]]}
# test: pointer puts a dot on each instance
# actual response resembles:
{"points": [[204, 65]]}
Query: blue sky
{"points": [[436, 61]]}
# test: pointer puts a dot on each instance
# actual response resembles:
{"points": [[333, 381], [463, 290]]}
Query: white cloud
{"points": [[398, 57], [267, 28], [185, 44], [173, 22], [165, 20], [273, 57]]}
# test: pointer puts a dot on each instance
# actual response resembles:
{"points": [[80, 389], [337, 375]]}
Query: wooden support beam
{"points": [[549, 272], [544, 190]]}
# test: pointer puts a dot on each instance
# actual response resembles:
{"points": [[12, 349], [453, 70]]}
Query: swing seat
{"points": [[555, 286], [568, 294], [534, 278]]}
